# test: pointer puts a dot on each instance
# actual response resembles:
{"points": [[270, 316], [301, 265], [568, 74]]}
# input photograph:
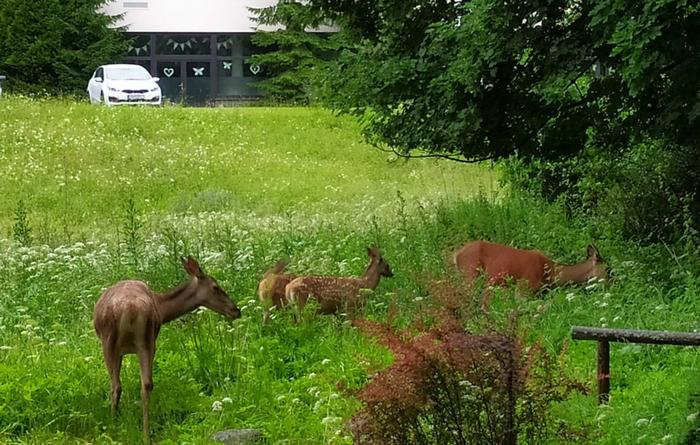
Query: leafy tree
{"points": [[56, 45], [484, 79], [595, 102], [294, 53]]}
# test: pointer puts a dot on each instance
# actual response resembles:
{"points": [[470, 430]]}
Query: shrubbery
{"points": [[646, 193], [451, 386]]}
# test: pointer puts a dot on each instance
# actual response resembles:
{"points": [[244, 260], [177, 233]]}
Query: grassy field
{"points": [[93, 195], [77, 165]]}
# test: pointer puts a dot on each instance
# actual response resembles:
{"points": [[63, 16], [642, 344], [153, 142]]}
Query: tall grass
{"points": [[293, 381]]}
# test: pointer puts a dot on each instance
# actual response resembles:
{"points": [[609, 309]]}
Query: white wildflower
{"points": [[641, 422], [329, 420], [217, 406], [227, 400]]}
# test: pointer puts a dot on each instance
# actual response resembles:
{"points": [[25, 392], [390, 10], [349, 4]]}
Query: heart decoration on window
{"points": [[168, 72], [255, 69]]}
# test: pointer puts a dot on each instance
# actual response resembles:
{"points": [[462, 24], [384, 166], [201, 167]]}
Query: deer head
{"points": [[383, 267], [597, 264], [207, 291]]}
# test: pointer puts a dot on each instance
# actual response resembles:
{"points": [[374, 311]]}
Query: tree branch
{"points": [[434, 155]]}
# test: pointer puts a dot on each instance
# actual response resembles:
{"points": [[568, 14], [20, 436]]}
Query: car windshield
{"points": [[127, 73]]}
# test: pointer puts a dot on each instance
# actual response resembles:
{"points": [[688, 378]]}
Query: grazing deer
{"points": [[529, 268], [271, 288], [334, 293], [128, 317]]}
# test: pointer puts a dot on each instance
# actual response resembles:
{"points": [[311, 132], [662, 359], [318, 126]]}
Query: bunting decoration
{"points": [[175, 45], [138, 49]]}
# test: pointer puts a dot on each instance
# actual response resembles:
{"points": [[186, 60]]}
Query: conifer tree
{"points": [[55, 45], [291, 54]]}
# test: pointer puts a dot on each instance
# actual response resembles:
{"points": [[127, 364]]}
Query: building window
{"points": [[227, 45], [193, 68]]}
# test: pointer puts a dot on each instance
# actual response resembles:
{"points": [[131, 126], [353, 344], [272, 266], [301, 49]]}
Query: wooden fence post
{"points": [[603, 372], [605, 335]]}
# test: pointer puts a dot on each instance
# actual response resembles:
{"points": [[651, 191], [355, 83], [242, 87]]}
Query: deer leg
{"points": [[296, 305], [113, 361], [146, 365]]}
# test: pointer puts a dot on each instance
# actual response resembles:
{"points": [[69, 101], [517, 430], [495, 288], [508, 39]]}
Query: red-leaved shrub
{"points": [[447, 386]]}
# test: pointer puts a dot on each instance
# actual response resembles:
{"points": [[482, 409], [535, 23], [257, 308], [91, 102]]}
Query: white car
{"points": [[123, 84]]}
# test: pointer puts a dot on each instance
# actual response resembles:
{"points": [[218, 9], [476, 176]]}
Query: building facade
{"points": [[198, 49]]}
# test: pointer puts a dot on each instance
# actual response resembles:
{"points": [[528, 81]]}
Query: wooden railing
{"points": [[604, 336]]}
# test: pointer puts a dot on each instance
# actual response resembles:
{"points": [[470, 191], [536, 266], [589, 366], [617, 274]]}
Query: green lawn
{"points": [[93, 195], [76, 165]]}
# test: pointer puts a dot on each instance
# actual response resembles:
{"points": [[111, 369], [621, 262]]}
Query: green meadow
{"points": [[92, 195]]}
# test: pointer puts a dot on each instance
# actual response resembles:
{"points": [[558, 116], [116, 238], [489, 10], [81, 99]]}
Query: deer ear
{"points": [[592, 252], [192, 267], [280, 266], [373, 252]]}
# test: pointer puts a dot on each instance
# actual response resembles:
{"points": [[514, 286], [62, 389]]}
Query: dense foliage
{"points": [[572, 93], [292, 52], [55, 45], [488, 78]]}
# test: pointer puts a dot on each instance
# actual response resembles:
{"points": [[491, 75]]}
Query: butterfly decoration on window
{"points": [[227, 65], [198, 71]]}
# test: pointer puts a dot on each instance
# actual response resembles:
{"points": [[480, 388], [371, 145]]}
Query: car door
{"points": [[95, 87]]}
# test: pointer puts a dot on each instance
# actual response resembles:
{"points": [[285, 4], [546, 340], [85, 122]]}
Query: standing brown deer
{"points": [[334, 293], [271, 288], [529, 268], [128, 317]]}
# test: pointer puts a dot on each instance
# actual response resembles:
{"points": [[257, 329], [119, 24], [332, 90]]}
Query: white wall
{"points": [[190, 16]]}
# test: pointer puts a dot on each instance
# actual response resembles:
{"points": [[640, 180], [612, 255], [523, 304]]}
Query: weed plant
{"points": [[92, 189]]}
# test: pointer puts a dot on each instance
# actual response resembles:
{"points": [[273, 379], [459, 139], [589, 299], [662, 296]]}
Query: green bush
{"points": [[646, 193]]}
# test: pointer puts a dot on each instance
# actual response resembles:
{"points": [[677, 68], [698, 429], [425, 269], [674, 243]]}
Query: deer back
{"points": [[500, 263], [332, 293], [127, 316]]}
